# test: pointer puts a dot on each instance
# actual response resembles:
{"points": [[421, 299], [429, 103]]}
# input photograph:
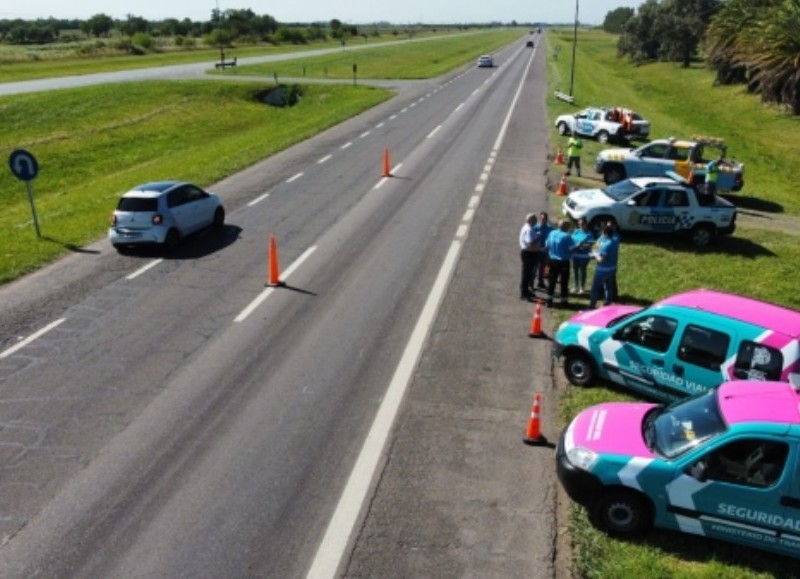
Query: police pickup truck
{"points": [[655, 205], [604, 124], [687, 158]]}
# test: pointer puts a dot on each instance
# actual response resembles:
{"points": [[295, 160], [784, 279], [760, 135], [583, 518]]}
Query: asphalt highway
{"points": [[173, 416]]}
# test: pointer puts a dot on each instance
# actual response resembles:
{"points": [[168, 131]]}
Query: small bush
{"points": [[143, 41]]}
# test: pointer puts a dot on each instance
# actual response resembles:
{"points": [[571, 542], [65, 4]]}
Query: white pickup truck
{"points": [[604, 124], [686, 157], [654, 205]]}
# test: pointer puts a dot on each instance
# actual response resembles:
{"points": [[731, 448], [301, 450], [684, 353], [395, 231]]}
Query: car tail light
{"points": [[157, 219]]}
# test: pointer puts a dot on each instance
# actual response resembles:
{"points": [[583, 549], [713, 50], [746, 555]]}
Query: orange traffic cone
{"points": [[274, 277], [533, 434], [536, 322], [387, 171], [559, 157], [562, 187]]}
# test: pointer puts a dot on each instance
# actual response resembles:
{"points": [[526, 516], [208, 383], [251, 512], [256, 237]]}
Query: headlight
{"points": [[582, 458]]}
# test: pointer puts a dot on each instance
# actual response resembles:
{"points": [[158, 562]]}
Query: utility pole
{"points": [[574, 45], [219, 35]]}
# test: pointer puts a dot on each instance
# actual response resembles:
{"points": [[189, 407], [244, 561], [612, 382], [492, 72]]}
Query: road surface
{"points": [[172, 416]]}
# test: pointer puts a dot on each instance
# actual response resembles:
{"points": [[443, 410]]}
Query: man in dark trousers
{"points": [[560, 246], [529, 254], [574, 146]]}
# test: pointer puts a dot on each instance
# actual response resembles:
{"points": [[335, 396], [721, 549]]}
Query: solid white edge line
{"points": [[265, 294], [143, 269], [18, 346], [337, 536]]}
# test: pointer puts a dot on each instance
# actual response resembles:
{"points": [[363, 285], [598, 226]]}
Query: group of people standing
{"points": [[549, 254]]}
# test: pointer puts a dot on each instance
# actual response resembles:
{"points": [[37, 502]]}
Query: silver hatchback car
{"points": [[162, 213]]}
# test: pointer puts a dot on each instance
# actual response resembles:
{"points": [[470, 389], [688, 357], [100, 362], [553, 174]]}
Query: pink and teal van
{"points": [[682, 345], [724, 464]]}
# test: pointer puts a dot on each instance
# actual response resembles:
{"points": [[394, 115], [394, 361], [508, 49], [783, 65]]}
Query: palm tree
{"points": [[758, 42], [777, 58]]}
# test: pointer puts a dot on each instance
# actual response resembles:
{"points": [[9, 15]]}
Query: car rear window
{"points": [[138, 204]]}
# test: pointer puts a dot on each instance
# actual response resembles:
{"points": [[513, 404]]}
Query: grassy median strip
{"points": [[93, 144], [422, 58], [759, 260], [21, 64]]}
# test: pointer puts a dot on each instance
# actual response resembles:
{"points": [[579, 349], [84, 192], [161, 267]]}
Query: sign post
{"points": [[25, 168]]}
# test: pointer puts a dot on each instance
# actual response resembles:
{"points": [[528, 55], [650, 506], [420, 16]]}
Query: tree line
{"points": [[751, 42], [227, 26]]}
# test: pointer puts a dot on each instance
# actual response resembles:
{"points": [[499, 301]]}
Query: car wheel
{"points": [[562, 129], [622, 513], [614, 174], [701, 235], [172, 239], [219, 218], [579, 368], [602, 137]]}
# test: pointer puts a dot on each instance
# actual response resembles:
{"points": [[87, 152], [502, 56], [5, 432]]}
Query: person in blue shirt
{"points": [[605, 273], [559, 245], [540, 232], [583, 238]]}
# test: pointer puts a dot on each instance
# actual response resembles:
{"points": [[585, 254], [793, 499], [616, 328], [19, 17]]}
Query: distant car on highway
{"points": [[529, 44], [485, 61], [162, 213]]}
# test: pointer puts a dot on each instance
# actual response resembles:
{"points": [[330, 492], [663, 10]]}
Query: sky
{"points": [[350, 11]]}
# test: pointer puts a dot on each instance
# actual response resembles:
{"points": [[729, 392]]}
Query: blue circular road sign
{"points": [[23, 165]]}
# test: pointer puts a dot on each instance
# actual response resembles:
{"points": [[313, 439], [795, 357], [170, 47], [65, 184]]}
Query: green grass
{"points": [[47, 61], [683, 102], [759, 262], [411, 60], [30, 65], [92, 144]]}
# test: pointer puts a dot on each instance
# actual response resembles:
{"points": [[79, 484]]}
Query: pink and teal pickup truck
{"points": [[724, 465]]}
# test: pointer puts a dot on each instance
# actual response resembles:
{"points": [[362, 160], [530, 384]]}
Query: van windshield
{"points": [[672, 430]]}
